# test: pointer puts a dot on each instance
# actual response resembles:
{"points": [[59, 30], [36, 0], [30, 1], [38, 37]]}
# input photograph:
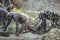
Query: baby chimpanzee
{"points": [[42, 26], [54, 17]]}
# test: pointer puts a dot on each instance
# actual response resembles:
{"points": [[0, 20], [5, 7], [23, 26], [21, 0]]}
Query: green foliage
{"points": [[10, 29], [26, 12], [0, 23], [32, 14]]}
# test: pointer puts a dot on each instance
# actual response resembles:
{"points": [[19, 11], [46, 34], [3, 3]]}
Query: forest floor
{"points": [[53, 34]]}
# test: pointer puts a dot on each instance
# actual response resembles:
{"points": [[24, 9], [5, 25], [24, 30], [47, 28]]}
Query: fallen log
{"points": [[4, 33]]}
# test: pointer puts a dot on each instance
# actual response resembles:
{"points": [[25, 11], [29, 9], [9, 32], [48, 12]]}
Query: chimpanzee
{"points": [[45, 14], [50, 16], [18, 18], [3, 15], [42, 26]]}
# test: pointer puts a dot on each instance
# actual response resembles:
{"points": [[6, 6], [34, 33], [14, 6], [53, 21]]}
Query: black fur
{"points": [[3, 15], [18, 18], [50, 16]]}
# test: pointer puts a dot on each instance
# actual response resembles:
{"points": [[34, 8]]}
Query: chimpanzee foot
{"points": [[2, 27], [34, 32], [17, 34], [25, 31]]}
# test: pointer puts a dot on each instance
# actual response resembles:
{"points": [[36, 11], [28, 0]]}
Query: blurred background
{"points": [[36, 5]]}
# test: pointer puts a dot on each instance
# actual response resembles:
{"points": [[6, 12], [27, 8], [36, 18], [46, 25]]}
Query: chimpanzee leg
{"points": [[44, 29], [38, 28], [6, 24], [22, 28], [17, 29], [3, 23], [27, 25], [17, 26], [0, 21]]}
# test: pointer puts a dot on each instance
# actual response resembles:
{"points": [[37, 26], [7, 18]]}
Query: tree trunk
{"points": [[6, 34], [16, 3]]}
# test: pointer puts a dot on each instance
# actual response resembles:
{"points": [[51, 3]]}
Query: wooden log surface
{"points": [[4, 33]]}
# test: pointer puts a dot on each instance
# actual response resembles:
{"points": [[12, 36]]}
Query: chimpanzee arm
{"points": [[7, 22]]}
